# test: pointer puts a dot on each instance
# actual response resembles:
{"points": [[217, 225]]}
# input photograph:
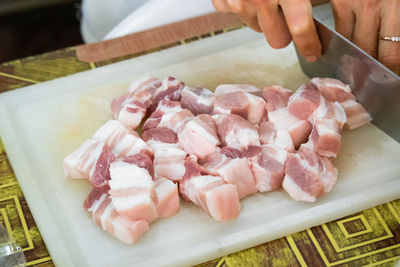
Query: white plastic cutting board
{"points": [[42, 124]]}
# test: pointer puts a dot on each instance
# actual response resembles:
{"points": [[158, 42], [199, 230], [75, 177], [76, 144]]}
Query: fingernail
{"points": [[311, 58]]}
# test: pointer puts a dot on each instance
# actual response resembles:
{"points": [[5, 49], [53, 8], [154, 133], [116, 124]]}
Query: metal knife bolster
{"points": [[376, 87]]}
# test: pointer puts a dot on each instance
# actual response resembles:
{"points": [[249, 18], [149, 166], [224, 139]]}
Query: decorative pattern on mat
{"points": [[370, 238]]}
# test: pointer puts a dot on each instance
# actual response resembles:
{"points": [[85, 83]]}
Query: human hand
{"points": [[364, 21], [280, 20]]}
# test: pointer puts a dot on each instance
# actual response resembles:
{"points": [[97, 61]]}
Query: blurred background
{"points": [[31, 27]]}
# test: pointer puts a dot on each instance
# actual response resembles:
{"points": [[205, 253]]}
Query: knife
{"points": [[375, 86]]}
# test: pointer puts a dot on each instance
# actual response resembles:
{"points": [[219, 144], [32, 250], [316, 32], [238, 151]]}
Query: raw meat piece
{"points": [[268, 166], [146, 83], [131, 114], [223, 202], [219, 200], [169, 160], [121, 141], [169, 114], [142, 161], [167, 197], [101, 208], [325, 138], [230, 88], [163, 135], [276, 97], [329, 110], [333, 89], [132, 191], [278, 136], [199, 136], [246, 105], [233, 171], [356, 114], [192, 169], [231, 152], [298, 129], [236, 132], [308, 175], [198, 100], [304, 101], [164, 106], [176, 121], [91, 161], [170, 90], [131, 108], [116, 104]]}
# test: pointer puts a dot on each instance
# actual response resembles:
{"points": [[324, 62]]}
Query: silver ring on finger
{"points": [[390, 38]]}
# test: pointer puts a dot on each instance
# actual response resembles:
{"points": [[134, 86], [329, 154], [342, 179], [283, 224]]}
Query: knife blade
{"points": [[375, 86]]}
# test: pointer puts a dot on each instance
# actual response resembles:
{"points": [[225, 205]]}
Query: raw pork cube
{"points": [[91, 161], [219, 200], [141, 90], [101, 208], [121, 141], [236, 132], [230, 88], [131, 109], [142, 161], [199, 136], [246, 105], [146, 83], [116, 104], [268, 166], [163, 135], [304, 101], [356, 114], [223, 202], [278, 136], [163, 107], [167, 197], [325, 138], [329, 110], [298, 129], [198, 100], [169, 160], [276, 97], [233, 171], [170, 89], [131, 114], [169, 114], [132, 191], [308, 175], [333, 89]]}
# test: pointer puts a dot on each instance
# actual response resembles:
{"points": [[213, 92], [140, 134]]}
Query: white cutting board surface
{"points": [[42, 124]]}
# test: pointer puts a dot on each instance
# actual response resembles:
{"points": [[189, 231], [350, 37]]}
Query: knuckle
{"points": [[237, 6], [370, 4], [301, 27]]}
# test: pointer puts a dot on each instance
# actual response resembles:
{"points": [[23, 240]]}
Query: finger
{"points": [[273, 24], [246, 11], [366, 28], [298, 15], [344, 17], [221, 6], [388, 51]]}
